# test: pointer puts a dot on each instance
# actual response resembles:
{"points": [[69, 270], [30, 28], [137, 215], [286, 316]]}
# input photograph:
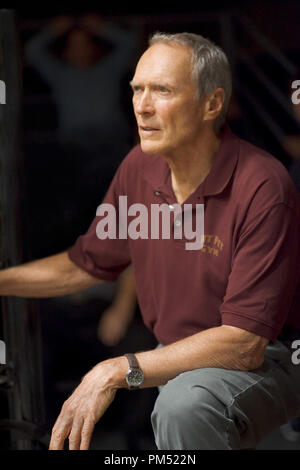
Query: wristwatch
{"points": [[134, 376]]}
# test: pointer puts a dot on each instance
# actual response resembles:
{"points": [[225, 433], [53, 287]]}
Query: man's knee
{"points": [[181, 400], [186, 412]]}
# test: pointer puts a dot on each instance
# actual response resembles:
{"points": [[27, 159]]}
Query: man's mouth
{"points": [[148, 129]]}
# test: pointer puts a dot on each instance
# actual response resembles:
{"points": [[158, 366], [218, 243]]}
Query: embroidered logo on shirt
{"points": [[212, 245]]}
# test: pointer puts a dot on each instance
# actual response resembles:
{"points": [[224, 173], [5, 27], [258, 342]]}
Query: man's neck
{"points": [[190, 169]]}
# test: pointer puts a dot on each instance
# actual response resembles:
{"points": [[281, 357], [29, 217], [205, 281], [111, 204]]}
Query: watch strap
{"points": [[133, 362]]}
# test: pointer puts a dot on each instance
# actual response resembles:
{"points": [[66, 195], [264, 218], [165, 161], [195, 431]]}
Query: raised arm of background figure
{"points": [[48, 277], [116, 318], [37, 52], [124, 40]]}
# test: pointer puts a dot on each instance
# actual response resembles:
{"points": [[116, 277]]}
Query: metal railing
{"points": [[263, 80]]}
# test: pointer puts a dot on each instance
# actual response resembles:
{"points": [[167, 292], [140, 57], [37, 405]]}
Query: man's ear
{"points": [[214, 104]]}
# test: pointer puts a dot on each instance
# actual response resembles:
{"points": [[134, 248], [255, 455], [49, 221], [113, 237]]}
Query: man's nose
{"points": [[144, 103]]}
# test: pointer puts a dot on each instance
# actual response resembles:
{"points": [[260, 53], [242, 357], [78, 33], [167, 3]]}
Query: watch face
{"points": [[135, 377]]}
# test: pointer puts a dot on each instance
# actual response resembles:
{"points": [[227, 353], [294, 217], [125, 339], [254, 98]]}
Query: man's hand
{"points": [[87, 404]]}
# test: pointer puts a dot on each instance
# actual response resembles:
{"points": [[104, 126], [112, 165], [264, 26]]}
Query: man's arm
{"points": [[225, 347], [48, 277]]}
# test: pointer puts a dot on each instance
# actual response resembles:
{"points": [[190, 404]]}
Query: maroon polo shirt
{"points": [[246, 272]]}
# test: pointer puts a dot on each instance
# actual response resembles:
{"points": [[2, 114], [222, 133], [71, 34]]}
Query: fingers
{"points": [[75, 423], [58, 436], [75, 434], [86, 434], [79, 432], [83, 409]]}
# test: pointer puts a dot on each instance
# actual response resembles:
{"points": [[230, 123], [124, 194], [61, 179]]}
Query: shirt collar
{"points": [[157, 171]]}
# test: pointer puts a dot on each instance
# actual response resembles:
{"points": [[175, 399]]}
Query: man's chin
{"points": [[149, 147]]}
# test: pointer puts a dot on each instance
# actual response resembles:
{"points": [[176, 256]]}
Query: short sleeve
{"points": [[264, 270], [105, 258]]}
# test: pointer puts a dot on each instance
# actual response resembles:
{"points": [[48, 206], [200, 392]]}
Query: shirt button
{"points": [[157, 193], [178, 223]]}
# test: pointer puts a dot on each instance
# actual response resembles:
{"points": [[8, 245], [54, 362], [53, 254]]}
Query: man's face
{"points": [[168, 113]]}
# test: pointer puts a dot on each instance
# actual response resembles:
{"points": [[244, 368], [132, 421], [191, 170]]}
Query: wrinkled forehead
{"points": [[164, 60]]}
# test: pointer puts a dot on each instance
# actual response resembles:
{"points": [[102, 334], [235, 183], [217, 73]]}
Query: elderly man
{"points": [[225, 314]]}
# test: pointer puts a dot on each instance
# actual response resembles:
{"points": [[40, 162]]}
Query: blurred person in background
{"points": [[93, 132]]}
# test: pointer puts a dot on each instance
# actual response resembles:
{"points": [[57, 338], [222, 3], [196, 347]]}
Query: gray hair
{"points": [[210, 66]]}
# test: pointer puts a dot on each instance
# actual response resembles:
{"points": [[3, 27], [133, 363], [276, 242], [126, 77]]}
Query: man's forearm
{"points": [[48, 277], [222, 347]]}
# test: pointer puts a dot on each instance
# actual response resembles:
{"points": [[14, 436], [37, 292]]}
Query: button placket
{"points": [[190, 212], [178, 220]]}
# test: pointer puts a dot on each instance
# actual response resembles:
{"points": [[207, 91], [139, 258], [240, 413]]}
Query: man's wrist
{"points": [[118, 367]]}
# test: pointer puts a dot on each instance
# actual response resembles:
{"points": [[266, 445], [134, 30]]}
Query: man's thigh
{"points": [[248, 404]]}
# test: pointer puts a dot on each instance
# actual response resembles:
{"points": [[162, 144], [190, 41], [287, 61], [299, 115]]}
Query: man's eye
{"points": [[163, 89]]}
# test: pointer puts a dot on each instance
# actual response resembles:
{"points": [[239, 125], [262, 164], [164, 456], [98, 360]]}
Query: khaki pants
{"points": [[213, 408]]}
